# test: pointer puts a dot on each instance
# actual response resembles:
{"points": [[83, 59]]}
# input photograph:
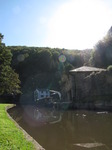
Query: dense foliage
{"points": [[102, 53], [9, 81], [41, 67], [109, 68]]}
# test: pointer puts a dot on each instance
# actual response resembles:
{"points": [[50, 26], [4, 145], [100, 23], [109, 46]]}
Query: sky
{"points": [[69, 24]]}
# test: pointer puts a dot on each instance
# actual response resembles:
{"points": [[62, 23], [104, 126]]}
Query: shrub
{"points": [[109, 68]]}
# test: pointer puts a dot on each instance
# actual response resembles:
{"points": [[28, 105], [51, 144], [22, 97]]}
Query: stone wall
{"points": [[94, 84], [89, 87]]}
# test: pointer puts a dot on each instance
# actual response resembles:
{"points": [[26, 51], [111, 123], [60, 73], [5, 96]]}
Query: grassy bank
{"points": [[11, 138]]}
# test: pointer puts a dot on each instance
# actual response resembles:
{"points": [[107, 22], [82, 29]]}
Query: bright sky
{"points": [[71, 24]]}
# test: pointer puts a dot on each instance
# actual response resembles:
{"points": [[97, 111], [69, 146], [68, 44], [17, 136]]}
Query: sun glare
{"points": [[78, 24]]}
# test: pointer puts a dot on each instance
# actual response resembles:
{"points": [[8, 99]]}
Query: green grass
{"points": [[11, 138]]}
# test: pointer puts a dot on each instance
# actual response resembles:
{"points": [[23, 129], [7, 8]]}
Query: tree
{"points": [[109, 68], [102, 54], [9, 80], [1, 37]]}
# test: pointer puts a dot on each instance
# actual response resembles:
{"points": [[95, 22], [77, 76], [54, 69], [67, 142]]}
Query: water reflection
{"points": [[47, 115], [67, 130]]}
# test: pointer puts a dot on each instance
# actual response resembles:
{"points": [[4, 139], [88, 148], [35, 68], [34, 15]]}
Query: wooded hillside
{"points": [[43, 67]]}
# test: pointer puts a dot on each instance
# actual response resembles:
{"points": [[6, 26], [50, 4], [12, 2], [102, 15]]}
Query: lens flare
{"points": [[62, 58]]}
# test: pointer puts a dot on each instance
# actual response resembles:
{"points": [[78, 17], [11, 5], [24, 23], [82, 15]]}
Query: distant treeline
{"points": [[43, 67]]}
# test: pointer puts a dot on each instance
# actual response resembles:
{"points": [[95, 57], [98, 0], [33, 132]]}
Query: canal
{"points": [[66, 130]]}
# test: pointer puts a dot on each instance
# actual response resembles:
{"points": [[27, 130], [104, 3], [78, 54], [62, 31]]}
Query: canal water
{"points": [[66, 130]]}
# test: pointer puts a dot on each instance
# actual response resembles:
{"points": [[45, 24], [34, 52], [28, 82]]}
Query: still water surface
{"points": [[66, 130]]}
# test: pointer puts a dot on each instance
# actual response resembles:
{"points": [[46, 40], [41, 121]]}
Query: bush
{"points": [[109, 68]]}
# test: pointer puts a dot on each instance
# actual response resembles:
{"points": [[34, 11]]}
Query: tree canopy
{"points": [[9, 80], [102, 53]]}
